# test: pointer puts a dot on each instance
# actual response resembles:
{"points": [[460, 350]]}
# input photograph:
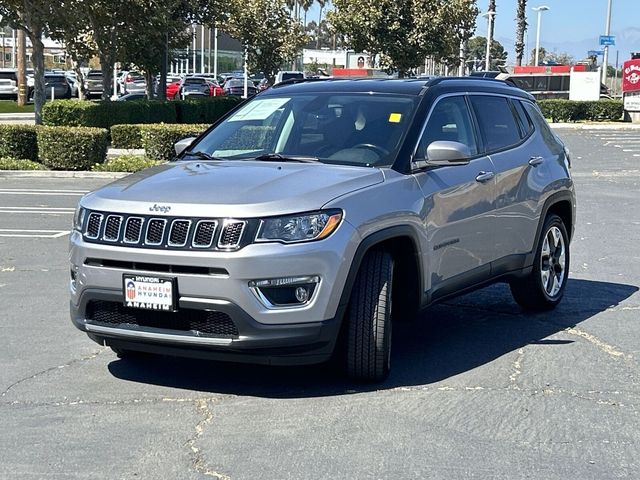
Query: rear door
{"points": [[509, 139], [458, 202]]}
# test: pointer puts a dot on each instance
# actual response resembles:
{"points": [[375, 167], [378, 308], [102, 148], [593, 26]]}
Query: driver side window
{"points": [[449, 120]]}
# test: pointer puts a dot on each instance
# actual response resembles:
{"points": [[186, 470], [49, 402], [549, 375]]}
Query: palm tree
{"points": [[492, 23], [322, 4], [306, 5], [521, 28]]}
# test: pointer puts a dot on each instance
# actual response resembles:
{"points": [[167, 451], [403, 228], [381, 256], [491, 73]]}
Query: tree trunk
{"points": [[37, 58], [82, 89], [148, 78], [521, 28], [106, 66], [21, 52], [319, 25], [162, 81]]}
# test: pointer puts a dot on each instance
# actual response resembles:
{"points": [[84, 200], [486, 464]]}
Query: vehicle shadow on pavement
{"points": [[446, 340]]}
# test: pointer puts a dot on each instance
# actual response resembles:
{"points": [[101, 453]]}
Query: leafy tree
{"points": [[268, 32], [542, 56], [563, 58], [404, 32], [521, 28], [33, 17], [476, 52]]}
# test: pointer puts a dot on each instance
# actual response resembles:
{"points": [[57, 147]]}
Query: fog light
{"points": [[302, 294], [285, 292]]}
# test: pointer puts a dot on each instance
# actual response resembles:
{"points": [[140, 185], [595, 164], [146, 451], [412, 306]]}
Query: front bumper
{"points": [[299, 335]]}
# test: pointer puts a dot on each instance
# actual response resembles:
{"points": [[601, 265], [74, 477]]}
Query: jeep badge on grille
{"points": [[160, 208]]}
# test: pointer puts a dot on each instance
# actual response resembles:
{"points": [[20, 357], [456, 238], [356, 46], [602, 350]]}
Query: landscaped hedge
{"points": [[11, 163], [72, 148], [74, 113], [125, 163], [204, 110], [128, 135], [158, 140], [573, 111], [19, 141]]}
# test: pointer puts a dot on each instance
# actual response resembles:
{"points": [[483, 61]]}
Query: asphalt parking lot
{"points": [[478, 389]]}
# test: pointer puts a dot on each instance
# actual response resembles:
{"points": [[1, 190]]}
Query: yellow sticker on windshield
{"points": [[395, 117]]}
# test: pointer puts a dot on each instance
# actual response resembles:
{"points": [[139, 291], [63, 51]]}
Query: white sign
{"points": [[585, 86], [632, 101], [259, 109]]}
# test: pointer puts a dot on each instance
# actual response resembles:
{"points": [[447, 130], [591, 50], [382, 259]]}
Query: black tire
{"points": [[532, 292], [369, 319]]}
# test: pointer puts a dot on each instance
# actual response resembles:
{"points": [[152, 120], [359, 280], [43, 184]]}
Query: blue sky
{"points": [[566, 21]]}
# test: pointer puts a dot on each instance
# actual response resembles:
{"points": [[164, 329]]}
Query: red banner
{"points": [[631, 76]]}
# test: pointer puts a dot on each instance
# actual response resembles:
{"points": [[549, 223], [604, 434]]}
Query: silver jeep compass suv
{"points": [[310, 218]]}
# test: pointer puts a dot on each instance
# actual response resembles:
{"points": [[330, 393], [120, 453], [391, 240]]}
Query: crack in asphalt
{"points": [[203, 405], [517, 367], [51, 369], [73, 403]]}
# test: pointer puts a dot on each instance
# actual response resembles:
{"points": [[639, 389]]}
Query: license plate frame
{"points": [[150, 292]]}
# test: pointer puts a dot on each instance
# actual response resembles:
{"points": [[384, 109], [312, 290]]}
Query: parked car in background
{"points": [[173, 87], [283, 76], [58, 82], [93, 84], [8, 84], [193, 87], [131, 82], [235, 87], [129, 97]]}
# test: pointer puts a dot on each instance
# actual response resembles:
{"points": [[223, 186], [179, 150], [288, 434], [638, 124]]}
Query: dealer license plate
{"points": [[149, 293]]}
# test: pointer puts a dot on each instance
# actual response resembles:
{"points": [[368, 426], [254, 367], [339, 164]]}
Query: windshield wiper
{"points": [[278, 157], [202, 155]]}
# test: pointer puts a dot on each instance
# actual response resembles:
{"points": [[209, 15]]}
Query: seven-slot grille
{"points": [[163, 232]]}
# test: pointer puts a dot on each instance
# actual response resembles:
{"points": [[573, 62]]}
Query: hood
{"points": [[240, 189]]}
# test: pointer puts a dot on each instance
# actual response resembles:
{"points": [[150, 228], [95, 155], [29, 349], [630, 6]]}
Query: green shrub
{"points": [[573, 111], [74, 113], [207, 110], [18, 141], [126, 136], [9, 163], [158, 140], [125, 163], [72, 148]]}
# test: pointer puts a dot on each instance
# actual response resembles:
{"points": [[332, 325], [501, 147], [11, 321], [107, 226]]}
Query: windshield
{"points": [[342, 128]]}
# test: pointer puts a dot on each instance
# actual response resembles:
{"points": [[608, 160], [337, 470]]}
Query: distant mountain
{"points": [[627, 41]]}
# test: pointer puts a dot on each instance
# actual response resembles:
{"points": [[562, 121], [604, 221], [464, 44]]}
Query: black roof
{"points": [[410, 86]]}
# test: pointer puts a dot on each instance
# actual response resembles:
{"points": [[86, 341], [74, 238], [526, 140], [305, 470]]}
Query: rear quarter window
{"points": [[498, 126]]}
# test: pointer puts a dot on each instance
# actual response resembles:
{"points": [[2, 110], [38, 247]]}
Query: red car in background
{"points": [[173, 88]]}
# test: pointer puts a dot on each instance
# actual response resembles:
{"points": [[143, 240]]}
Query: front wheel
{"points": [[369, 319], [544, 287]]}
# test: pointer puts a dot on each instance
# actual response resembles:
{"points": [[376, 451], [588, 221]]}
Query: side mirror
{"points": [[181, 145], [442, 152]]}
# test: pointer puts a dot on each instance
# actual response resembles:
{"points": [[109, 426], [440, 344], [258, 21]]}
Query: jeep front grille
{"points": [[167, 232]]}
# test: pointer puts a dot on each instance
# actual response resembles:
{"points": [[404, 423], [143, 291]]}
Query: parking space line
{"points": [[8, 232], [38, 210]]}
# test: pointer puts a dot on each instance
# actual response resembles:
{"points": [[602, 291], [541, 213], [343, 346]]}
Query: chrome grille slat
{"points": [[155, 231], [93, 225], [112, 228], [151, 231], [231, 234], [179, 232], [133, 230], [204, 233]]}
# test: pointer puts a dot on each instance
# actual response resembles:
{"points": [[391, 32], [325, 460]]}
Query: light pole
{"points": [[489, 16], [605, 59], [540, 9]]}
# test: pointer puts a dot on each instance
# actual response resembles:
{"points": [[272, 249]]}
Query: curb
{"points": [[595, 126], [59, 174]]}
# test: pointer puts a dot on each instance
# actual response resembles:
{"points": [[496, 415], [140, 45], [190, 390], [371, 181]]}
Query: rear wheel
{"points": [[544, 287], [369, 319]]}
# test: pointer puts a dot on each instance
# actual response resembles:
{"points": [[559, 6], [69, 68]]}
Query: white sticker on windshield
{"points": [[259, 109]]}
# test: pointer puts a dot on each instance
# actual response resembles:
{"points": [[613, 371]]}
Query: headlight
{"points": [[299, 228], [78, 218]]}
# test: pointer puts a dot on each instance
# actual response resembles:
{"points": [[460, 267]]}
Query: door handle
{"points": [[535, 161], [485, 176]]}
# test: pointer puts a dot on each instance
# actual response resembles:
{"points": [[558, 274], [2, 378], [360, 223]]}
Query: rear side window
{"points": [[525, 123], [496, 121]]}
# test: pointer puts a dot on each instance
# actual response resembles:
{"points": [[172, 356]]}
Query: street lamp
{"points": [[489, 16], [540, 9]]}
